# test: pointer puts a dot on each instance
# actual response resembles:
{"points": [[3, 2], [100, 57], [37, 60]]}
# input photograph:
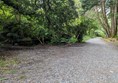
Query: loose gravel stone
{"points": [[92, 62]]}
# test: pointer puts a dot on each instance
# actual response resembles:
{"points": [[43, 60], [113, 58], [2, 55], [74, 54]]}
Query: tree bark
{"points": [[101, 21], [105, 19]]}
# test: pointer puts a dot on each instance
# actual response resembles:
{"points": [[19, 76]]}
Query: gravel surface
{"points": [[92, 62]]}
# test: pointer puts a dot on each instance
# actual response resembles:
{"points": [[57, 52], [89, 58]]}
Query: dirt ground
{"points": [[92, 62]]}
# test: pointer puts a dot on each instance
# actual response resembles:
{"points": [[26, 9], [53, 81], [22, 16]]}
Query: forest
{"points": [[32, 22]]}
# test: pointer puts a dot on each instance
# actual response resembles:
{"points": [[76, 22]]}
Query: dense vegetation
{"points": [[28, 22], [107, 14]]}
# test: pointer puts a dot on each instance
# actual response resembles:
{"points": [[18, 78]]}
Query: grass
{"points": [[7, 65], [1, 79], [112, 40], [22, 77], [86, 38]]}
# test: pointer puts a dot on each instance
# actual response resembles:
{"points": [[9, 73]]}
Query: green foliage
{"points": [[107, 11], [88, 4], [100, 33], [73, 40], [93, 28], [86, 37], [46, 21]]}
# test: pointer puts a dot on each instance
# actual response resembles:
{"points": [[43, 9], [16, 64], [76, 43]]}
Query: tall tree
{"points": [[45, 20], [107, 11]]}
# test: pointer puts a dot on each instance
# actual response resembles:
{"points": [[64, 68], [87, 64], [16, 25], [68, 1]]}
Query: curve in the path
{"points": [[94, 62]]}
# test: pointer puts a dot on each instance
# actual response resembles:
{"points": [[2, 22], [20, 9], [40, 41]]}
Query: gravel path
{"points": [[92, 62]]}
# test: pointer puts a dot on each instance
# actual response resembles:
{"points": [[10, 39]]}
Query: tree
{"points": [[107, 11], [43, 20]]}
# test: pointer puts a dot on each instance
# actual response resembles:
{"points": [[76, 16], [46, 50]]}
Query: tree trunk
{"points": [[111, 30], [115, 18], [113, 9], [101, 21], [104, 16]]}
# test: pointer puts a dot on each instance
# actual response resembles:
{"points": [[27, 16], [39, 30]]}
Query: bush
{"points": [[73, 40], [27, 33], [86, 37], [45, 23], [99, 33]]}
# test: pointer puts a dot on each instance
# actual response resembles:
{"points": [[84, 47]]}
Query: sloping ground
{"points": [[92, 62]]}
